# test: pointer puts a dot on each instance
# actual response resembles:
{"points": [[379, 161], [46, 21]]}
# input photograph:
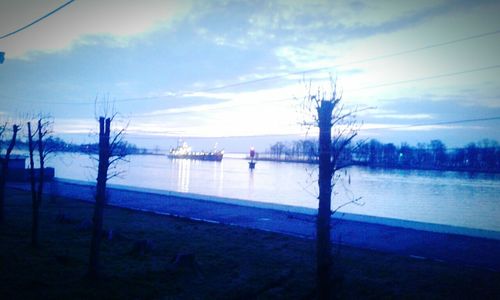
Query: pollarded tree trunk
{"points": [[36, 194], [5, 170], [323, 245], [102, 176]]}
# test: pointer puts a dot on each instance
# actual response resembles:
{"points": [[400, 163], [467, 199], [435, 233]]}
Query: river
{"points": [[449, 198]]}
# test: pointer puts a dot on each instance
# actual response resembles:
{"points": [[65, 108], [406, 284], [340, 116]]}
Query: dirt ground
{"points": [[148, 256]]}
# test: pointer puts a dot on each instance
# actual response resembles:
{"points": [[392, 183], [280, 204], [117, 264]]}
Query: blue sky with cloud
{"points": [[163, 64]]}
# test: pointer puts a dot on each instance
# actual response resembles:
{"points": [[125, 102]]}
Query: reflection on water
{"points": [[184, 168], [451, 198], [190, 174], [250, 181], [219, 176]]}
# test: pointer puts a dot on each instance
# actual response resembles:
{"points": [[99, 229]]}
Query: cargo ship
{"points": [[183, 151]]}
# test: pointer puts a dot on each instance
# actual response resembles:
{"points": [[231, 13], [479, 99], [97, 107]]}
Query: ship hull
{"points": [[207, 156]]}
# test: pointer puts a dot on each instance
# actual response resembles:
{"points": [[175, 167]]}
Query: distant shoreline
{"points": [[362, 164], [243, 156]]}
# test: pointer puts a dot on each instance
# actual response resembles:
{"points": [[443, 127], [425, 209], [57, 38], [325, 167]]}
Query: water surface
{"points": [[450, 198]]}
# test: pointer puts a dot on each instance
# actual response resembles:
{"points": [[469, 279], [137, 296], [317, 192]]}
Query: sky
{"points": [[236, 72]]}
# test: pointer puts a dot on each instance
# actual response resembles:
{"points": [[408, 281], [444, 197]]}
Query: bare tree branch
{"points": [[116, 174], [354, 201], [2, 129]]}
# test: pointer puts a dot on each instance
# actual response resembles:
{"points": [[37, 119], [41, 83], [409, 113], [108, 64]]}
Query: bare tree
{"points": [[111, 150], [42, 131], [44, 128], [5, 165], [337, 129]]}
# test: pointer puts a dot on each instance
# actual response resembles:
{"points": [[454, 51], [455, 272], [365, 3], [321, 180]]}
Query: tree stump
{"points": [[142, 247], [186, 263]]}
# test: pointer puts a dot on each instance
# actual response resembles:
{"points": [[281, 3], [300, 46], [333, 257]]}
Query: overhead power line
{"points": [[37, 20], [444, 75], [363, 88], [370, 59], [428, 77], [171, 133], [234, 105], [436, 123]]}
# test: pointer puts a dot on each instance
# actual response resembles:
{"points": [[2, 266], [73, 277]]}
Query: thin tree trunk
{"points": [[102, 174], [323, 246], [41, 154], [34, 201], [5, 170]]}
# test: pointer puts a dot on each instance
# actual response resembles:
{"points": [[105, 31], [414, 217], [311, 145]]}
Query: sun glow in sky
{"points": [[232, 68]]}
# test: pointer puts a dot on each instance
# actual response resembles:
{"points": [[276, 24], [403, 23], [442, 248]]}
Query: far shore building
{"points": [[19, 172]]}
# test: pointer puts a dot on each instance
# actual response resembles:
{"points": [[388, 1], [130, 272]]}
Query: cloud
{"points": [[185, 66], [404, 116], [75, 126], [437, 127], [383, 127], [83, 22], [357, 34], [246, 25]]}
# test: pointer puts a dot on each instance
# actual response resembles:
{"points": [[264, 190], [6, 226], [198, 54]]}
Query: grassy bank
{"points": [[217, 261]]}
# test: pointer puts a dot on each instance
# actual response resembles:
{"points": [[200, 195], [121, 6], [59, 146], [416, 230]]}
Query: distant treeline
{"points": [[483, 156], [56, 144]]}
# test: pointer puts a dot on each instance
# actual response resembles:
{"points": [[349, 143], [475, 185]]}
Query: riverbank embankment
{"points": [[415, 239]]}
